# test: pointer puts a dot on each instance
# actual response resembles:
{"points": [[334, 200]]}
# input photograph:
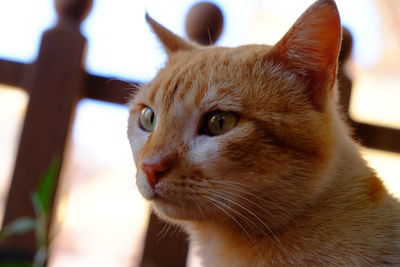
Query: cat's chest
{"points": [[217, 254], [212, 254], [215, 249]]}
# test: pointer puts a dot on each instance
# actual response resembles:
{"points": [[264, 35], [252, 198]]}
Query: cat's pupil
{"points": [[221, 122]]}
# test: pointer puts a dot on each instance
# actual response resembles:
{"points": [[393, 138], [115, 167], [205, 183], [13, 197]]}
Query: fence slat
{"points": [[108, 89], [55, 84], [11, 72], [377, 137]]}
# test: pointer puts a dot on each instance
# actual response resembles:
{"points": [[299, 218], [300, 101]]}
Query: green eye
{"points": [[219, 122], [147, 119]]}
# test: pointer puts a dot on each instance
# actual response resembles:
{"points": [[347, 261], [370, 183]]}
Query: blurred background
{"points": [[101, 219]]}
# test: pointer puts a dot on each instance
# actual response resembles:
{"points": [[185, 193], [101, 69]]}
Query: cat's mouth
{"points": [[169, 201], [174, 207], [156, 195], [160, 197]]}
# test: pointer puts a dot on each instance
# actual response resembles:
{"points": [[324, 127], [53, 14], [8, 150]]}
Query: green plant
{"points": [[41, 200]]}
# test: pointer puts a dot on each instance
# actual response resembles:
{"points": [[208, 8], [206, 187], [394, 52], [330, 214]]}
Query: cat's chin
{"points": [[172, 210]]}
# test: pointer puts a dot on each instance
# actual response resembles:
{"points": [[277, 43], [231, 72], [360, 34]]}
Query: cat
{"points": [[245, 149]]}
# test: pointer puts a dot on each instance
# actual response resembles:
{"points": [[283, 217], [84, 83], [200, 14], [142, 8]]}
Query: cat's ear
{"points": [[171, 42], [311, 48]]}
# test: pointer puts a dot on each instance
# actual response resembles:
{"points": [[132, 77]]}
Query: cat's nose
{"points": [[155, 172]]}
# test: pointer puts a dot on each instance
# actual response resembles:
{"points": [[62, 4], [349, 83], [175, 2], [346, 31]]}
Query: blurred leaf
{"points": [[41, 221], [37, 205], [18, 227], [41, 200], [40, 257], [47, 185]]}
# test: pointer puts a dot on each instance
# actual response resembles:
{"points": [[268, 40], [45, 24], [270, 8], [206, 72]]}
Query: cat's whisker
{"points": [[177, 228], [231, 185], [164, 231], [243, 185], [238, 189], [252, 203], [218, 204], [196, 203], [272, 234], [220, 193], [223, 207], [217, 194]]}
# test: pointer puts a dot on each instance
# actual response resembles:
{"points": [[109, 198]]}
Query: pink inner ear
{"points": [[311, 47], [315, 37]]}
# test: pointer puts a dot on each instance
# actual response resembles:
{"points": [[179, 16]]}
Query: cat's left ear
{"points": [[311, 48], [171, 42]]}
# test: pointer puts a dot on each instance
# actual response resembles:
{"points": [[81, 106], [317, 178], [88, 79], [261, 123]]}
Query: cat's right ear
{"points": [[311, 47], [171, 42]]}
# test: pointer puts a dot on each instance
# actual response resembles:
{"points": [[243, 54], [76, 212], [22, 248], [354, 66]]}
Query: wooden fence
{"points": [[57, 81]]}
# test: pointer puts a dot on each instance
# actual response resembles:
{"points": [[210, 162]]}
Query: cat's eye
{"points": [[147, 119], [218, 122]]}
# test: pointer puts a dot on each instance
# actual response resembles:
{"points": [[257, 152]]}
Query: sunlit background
{"points": [[101, 218]]}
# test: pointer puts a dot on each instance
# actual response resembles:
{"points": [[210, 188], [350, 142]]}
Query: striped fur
{"points": [[287, 185]]}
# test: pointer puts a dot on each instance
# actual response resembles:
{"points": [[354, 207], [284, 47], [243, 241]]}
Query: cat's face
{"points": [[222, 132]]}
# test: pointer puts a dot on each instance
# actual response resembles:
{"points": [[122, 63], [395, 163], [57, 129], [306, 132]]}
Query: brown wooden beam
{"points": [[109, 89], [377, 137], [11, 73]]}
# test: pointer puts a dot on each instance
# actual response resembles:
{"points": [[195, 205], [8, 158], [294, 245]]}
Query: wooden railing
{"points": [[56, 81]]}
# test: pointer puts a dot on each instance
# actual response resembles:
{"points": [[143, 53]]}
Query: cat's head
{"points": [[221, 132]]}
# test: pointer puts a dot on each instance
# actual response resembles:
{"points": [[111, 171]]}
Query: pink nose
{"points": [[155, 172]]}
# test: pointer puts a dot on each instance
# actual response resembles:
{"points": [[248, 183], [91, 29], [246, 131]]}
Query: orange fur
{"points": [[286, 186], [375, 189]]}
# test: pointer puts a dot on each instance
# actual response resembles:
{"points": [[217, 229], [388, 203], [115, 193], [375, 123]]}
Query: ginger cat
{"points": [[246, 150]]}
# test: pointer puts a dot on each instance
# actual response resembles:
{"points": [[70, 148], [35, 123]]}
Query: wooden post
{"points": [[55, 84], [345, 83]]}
